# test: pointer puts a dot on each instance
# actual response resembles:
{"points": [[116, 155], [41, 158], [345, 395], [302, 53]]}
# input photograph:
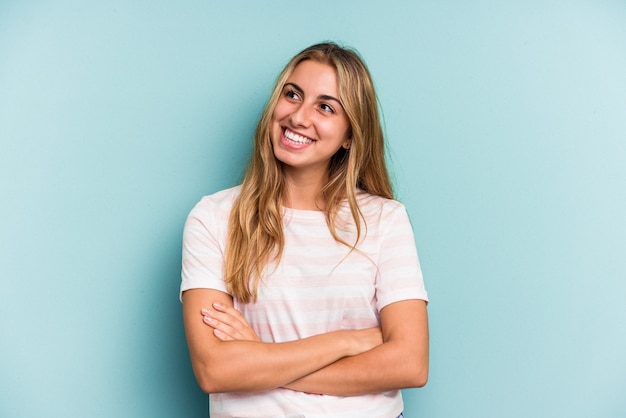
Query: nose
{"points": [[300, 117]]}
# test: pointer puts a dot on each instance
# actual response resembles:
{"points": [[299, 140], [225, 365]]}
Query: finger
{"points": [[225, 318], [234, 319], [232, 322], [221, 330], [221, 335], [229, 310]]}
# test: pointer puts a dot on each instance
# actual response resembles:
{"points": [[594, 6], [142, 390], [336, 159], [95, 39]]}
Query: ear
{"points": [[346, 144]]}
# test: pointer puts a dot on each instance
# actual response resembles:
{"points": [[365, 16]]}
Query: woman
{"points": [[302, 291]]}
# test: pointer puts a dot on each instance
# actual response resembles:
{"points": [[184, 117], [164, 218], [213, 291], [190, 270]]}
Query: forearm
{"points": [[246, 366], [386, 367], [400, 362]]}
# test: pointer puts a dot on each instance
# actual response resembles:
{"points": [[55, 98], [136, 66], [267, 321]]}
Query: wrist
{"points": [[353, 343]]}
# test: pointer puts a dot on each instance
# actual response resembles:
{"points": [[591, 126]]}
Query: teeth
{"points": [[294, 137]]}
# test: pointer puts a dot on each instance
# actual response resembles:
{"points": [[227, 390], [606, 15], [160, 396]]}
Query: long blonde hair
{"points": [[255, 231]]}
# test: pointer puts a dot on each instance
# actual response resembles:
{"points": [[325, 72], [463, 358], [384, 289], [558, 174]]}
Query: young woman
{"points": [[302, 291]]}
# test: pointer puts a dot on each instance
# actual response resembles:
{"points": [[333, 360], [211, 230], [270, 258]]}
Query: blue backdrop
{"points": [[507, 126]]}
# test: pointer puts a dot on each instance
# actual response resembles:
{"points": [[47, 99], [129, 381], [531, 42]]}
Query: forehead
{"points": [[315, 78]]}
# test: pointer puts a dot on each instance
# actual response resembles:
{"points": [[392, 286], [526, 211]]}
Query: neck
{"points": [[302, 191]]}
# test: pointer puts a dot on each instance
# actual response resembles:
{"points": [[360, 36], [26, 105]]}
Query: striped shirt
{"points": [[317, 287]]}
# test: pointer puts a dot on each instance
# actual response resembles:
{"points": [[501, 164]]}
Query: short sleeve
{"points": [[399, 272], [204, 238]]}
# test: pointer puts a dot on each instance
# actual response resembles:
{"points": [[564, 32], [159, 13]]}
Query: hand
{"points": [[228, 323]]}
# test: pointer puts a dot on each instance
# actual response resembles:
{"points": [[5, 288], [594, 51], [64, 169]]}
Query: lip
{"points": [[290, 144]]}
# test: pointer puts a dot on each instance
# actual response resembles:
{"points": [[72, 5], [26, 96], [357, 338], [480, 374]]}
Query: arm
{"points": [[400, 362], [242, 366]]}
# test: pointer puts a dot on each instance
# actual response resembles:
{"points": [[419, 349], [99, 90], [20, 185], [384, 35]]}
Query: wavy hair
{"points": [[255, 230]]}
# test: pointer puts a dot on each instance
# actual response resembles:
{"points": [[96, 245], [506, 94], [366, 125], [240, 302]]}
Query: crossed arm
{"points": [[227, 356]]}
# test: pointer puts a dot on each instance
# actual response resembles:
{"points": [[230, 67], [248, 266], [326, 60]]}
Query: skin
{"points": [[223, 346], [401, 361], [218, 365], [308, 107]]}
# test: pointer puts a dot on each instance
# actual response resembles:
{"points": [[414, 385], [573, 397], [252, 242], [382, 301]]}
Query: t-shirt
{"points": [[318, 286]]}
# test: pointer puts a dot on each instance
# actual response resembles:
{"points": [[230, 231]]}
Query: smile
{"points": [[296, 138]]}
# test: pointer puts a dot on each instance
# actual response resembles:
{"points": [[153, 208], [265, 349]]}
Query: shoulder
{"points": [[377, 213], [216, 205], [377, 206], [222, 199]]}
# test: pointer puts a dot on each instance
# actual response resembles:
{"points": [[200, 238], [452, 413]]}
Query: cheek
{"points": [[342, 127], [277, 117], [338, 130], [280, 111]]}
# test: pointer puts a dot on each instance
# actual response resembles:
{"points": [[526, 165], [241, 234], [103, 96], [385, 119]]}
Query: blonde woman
{"points": [[301, 288]]}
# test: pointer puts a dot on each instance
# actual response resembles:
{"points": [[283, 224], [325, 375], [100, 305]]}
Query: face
{"points": [[309, 125]]}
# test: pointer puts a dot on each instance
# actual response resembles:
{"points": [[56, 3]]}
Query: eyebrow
{"points": [[321, 96]]}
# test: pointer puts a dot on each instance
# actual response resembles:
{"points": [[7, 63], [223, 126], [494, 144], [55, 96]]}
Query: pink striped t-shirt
{"points": [[318, 286]]}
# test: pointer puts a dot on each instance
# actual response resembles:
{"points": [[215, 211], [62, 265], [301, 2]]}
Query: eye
{"points": [[291, 94], [327, 108]]}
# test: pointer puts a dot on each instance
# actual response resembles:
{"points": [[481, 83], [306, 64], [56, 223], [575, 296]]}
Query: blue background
{"points": [[507, 126]]}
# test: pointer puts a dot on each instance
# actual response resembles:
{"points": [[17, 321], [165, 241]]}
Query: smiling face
{"points": [[309, 124]]}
